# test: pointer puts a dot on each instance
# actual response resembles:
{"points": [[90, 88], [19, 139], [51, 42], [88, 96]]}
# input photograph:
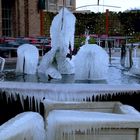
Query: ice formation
{"points": [[27, 59], [55, 63], [68, 119], [132, 61], [87, 39], [67, 122], [2, 63], [127, 109], [25, 126], [62, 92], [91, 63]]}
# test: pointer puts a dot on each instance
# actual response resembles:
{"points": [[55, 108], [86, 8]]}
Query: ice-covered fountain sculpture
{"points": [[27, 59], [132, 61], [91, 62], [55, 63]]}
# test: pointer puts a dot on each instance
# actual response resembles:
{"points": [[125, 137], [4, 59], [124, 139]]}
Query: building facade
{"points": [[19, 18], [56, 5], [24, 17]]}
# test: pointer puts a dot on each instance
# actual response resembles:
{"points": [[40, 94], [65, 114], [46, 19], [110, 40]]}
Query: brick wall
{"points": [[29, 21], [26, 20], [34, 18], [24, 25]]}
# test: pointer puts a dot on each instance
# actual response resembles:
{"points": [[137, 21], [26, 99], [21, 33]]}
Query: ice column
{"points": [[62, 37], [2, 63], [27, 59], [94, 64]]}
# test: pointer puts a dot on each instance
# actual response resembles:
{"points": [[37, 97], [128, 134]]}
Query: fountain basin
{"points": [[99, 120], [36, 92]]}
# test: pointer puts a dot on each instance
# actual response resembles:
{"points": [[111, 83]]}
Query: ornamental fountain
{"points": [[91, 59]]}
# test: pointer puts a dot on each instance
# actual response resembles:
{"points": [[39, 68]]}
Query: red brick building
{"points": [[23, 17], [19, 18]]}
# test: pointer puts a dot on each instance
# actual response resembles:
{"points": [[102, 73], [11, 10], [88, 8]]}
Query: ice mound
{"points": [[127, 109], [25, 126], [27, 60], [91, 63]]}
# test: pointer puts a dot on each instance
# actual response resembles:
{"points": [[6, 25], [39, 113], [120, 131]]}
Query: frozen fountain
{"points": [[27, 59], [91, 63], [54, 63], [131, 60]]}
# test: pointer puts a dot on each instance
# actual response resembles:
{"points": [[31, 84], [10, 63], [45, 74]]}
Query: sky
{"points": [[123, 4]]}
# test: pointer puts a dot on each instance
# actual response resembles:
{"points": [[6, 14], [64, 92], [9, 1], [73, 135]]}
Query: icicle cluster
{"points": [[65, 92], [66, 123]]}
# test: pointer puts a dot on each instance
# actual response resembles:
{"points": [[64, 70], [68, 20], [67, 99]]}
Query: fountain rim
{"points": [[69, 87]]}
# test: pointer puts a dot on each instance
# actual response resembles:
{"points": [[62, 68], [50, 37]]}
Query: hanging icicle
{"points": [[69, 122], [68, 92]]}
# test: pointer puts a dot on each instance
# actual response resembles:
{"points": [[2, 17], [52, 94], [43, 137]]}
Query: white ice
{"points": [[25, 126], [62, 36], [2, 63], [27, 59], [64, 92], [91, 63], [127, 109], [131, 53], [69, 121]]}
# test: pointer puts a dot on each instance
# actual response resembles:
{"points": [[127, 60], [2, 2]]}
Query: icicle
{"points": [[21, 100], [37, 104], [30, 100], [7, 97], [10, 97]]}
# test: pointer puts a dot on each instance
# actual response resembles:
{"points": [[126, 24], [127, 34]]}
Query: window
{"points": [[6, 18], [52, 1], [71, 2]]}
